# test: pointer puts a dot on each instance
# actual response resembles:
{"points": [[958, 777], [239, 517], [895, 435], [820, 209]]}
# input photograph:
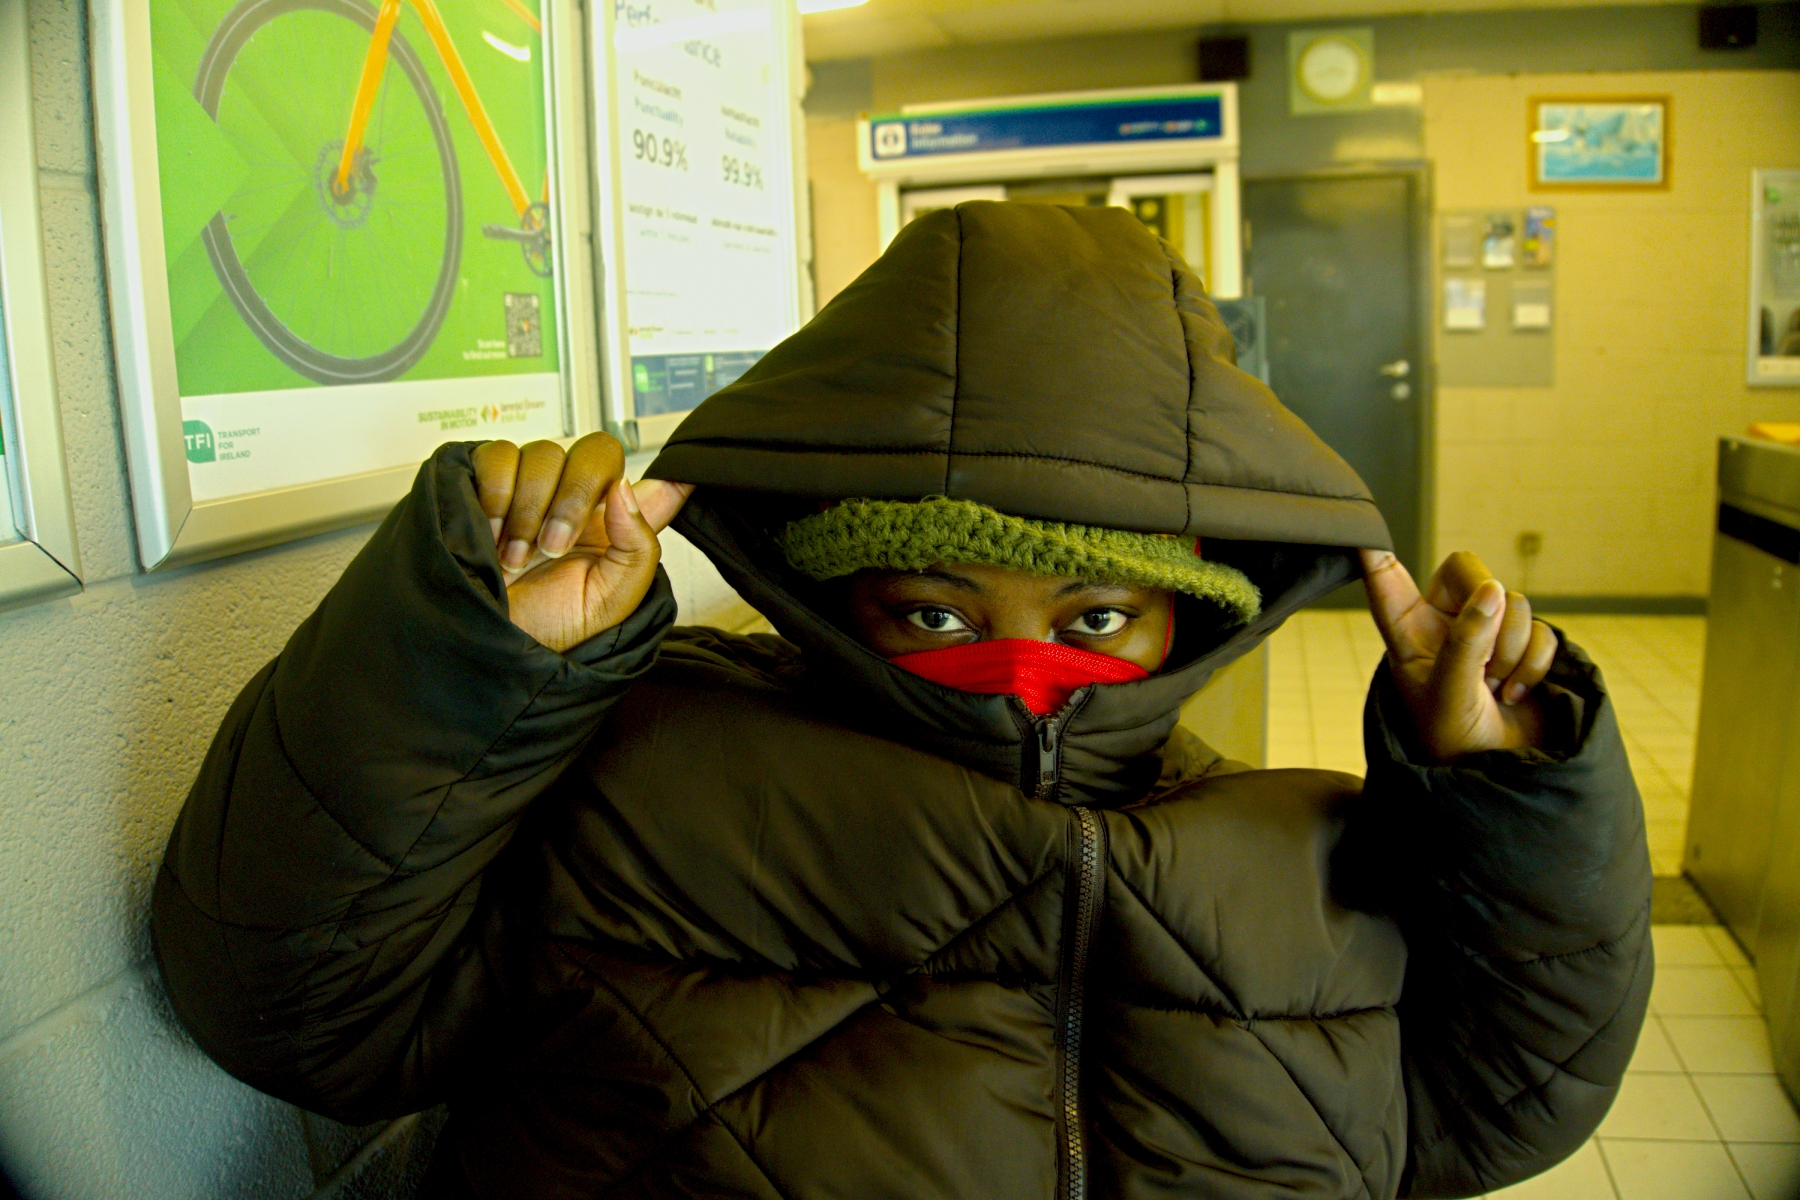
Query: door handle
{"points": [[1398, 369]]}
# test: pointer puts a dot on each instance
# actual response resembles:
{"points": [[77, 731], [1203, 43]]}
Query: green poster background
{"points": [[348, 277]]}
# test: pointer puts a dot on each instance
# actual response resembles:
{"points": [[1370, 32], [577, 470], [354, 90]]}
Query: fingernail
{"points": [[494, 523], [1516, 693], [1494, 685], [516, 553], [629, 499], [1488, 598], [556, 537]]}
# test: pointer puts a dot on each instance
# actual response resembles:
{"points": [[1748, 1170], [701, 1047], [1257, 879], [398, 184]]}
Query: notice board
{"points": [[1496, 297]]}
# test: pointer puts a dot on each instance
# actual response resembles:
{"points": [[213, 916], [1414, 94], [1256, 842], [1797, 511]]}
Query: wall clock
{"points": [[1330, 70]]}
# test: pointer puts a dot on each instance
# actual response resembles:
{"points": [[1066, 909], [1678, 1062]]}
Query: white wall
{"points": [[107, 703]]}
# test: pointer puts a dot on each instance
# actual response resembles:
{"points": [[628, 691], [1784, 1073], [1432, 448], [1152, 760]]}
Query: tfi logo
{"points": [[890, 140], [199, 438]]}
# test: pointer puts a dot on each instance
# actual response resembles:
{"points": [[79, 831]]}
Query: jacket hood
{"points": [[1050, 362]]}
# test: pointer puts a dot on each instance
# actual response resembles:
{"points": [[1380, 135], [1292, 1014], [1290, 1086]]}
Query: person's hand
{"points": [[1466, 655], [577, 543]]}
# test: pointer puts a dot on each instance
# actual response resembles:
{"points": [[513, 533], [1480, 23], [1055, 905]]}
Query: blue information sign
{"points": [[1139, 120]]}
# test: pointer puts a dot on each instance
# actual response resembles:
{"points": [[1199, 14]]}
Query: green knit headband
{"points": [[899, 535]]}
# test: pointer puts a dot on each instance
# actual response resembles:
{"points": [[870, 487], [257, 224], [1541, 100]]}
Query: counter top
{"points": [[1765, 473]]}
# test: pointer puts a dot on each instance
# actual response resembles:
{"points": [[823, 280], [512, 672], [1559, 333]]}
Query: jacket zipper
{"points": [[1049, 740], [1090, 862]]}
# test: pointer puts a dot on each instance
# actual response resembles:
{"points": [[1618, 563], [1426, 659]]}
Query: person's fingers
{"points": [[1462, 660], [1509, 647], [1392, 595], [628, 566], [657, 499], [593, 464], [660, 500], [540, 466], [1534, 664], [496, 467], [1455, 581]]}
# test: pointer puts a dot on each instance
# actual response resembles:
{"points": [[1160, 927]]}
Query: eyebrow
{"points": [[1080, 585], [960, 582], [965, 584]]}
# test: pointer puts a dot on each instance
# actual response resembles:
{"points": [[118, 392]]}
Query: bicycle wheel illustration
{"points": [[343, 286]]}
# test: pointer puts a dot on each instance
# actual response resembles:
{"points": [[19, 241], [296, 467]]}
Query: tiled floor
{"points": [[1320, 663], [1702, 1115]]}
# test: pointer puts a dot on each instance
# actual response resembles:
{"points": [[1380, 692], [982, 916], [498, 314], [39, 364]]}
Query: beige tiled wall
{"points": [[1613, 464], [846, 236]]}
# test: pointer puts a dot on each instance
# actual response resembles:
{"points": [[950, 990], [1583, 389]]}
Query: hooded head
{"points": [[1057, 365]]}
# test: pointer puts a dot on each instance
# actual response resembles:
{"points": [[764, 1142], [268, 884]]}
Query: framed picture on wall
{"points": [[38, 557], [335, 239], [1599, 143], [1774, 358]]}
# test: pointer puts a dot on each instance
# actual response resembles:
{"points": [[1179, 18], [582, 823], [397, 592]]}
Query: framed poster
{"points": [[700, 182], [1774, 350], [1599, 143], [38, 557], [336, 238]]}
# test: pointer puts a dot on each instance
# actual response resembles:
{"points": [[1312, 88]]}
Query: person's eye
{"points": [[1099, 622], [937, 620]]}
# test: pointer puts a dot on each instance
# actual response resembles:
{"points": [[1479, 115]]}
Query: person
{"points": [[930, 895]]}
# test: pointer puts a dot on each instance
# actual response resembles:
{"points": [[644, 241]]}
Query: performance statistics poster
{"points": [[702, 101], [359, 261]]}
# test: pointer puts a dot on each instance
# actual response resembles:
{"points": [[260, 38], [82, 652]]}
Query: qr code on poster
{"points": [[524, 335]]}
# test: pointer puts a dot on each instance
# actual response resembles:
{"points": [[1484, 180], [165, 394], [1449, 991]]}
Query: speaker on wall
{"points": [[1728, 27], [1224, 58]]}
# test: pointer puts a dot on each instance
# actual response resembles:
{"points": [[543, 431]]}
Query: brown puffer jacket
{"points": [[687, 914]]}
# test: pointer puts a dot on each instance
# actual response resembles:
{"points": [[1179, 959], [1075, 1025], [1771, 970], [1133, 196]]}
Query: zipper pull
{"points": [[1047, 752]]}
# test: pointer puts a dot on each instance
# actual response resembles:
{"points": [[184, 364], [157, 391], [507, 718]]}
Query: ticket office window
{"points": [[1177, 208]]}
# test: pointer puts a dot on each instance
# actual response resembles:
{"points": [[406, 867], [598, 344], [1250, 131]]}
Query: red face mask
{"points": [[1042, 674]]}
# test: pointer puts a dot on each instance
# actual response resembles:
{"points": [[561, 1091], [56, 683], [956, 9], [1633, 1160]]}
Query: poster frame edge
{"points": [[46, 562], [173, 529], [572, 221], [617, 417]]}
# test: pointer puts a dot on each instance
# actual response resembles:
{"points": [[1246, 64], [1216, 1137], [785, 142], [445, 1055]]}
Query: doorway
{"points": [[1338, 261]]}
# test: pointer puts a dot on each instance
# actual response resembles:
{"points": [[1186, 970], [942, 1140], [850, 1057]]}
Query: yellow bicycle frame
{"points": [[375, 62]]}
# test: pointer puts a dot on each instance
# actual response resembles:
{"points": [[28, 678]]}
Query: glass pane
{"points": [[1184, 220]]}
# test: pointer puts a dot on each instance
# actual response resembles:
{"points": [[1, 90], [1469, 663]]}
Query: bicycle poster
{"points": [[354, 207], [703, 196]]}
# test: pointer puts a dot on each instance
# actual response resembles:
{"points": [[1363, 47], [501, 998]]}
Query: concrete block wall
{"points": [[108, 700]]}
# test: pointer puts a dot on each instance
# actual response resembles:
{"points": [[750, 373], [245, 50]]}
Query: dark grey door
{"points": [[1336, 260]]}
